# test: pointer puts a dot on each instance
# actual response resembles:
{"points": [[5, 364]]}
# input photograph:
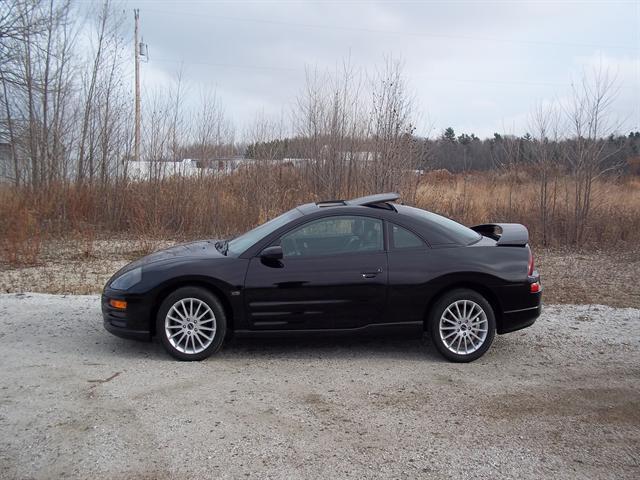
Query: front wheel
{"points": [[191, 323], [462, 325]]}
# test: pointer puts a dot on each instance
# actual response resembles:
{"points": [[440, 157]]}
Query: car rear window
{"points": [[442, 230]]}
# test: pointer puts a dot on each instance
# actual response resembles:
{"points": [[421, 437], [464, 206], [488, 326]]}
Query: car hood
{"points": [[201, 248], [193, 249]]}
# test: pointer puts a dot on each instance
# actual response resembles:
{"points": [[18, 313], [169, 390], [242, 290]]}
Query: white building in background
{"points": [[143, 169]]}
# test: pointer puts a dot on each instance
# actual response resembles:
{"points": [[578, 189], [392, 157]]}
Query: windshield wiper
{"points": [[222, 246]]}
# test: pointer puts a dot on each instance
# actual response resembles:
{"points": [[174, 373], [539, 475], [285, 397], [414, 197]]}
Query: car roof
{"points": [[426, 224], [380, 200]]}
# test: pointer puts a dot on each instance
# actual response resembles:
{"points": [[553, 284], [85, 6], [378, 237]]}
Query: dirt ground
{"points": [[609, 278], [81, 267], [558, 400]]}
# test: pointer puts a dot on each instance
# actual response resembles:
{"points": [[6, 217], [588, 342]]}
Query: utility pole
{"points": [[136, 145]]}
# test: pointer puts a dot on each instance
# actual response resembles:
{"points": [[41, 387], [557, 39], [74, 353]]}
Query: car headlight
{"points": [[127, 280]]}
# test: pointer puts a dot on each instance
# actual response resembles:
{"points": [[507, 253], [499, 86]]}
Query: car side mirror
{"points": [[272, 253]]}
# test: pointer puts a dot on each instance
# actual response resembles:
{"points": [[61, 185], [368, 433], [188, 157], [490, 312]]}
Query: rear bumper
{"points": [[133, 323], [521, 306], [519, 319]]}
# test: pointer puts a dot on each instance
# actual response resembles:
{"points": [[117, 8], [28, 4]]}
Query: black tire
{"points": [[220, 320], [436, 313]]}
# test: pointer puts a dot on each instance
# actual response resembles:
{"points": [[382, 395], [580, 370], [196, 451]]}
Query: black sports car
{"points": [[363, 265]]}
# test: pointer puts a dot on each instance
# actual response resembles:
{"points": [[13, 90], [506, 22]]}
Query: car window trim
{"points": [[332, 255]]}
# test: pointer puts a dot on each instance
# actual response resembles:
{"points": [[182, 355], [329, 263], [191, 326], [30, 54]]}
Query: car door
{"points": [[333, 274]]}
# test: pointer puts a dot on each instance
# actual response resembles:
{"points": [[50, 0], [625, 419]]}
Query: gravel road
{"points": [[558, 400]]}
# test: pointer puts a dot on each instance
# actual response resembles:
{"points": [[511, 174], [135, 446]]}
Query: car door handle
{"points": [[371, 274]]}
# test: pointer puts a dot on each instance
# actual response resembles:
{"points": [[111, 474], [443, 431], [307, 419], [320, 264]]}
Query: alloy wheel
{"points": [[190, 325], [463, 327]]}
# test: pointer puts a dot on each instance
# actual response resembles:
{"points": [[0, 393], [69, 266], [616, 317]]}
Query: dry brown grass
{"points": [[185, 208], [614, 221], [20, 241]]}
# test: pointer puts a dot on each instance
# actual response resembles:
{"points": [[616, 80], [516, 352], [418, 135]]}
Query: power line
{"points": [[395, 32], [230, 65], [424, 76]]}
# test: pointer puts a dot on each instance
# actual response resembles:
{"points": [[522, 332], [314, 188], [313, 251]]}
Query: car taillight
{"points": [[531, 265]]}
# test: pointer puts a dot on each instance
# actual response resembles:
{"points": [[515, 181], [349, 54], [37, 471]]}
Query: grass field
{"points": [[210, 206], [70, 239]]}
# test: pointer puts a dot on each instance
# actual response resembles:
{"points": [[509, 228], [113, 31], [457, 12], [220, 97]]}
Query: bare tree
{"points": [[590, 122], [391, 158], [34, 80], [330, 121], [177, 120], [18, 18], [544, 155], [212, 130], [14, 26], [89, 102], [156, 127]]}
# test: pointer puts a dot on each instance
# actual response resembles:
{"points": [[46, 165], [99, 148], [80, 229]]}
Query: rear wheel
{"points": [[191, 323], [462, 325]]}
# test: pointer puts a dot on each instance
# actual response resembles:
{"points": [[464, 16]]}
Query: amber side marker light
{"points": [[119, 304]]}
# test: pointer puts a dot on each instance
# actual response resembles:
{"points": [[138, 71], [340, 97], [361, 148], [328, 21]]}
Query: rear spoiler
{"points": [[506, 234]]}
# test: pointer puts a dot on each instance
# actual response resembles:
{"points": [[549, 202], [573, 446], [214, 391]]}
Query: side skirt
{"points": [[404, 328]]}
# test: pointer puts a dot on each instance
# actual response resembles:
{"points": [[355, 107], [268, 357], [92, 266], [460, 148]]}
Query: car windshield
{"points": [[246, 240]]}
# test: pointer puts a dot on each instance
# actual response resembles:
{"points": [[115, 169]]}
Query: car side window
{"points": [[333, 236], [403, 238]]}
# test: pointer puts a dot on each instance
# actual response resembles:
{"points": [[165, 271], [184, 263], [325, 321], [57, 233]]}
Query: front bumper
{"points": [[133, 323]]}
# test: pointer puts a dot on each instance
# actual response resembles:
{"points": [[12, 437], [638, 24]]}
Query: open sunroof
{"points": [[380, 200], [374, 199]]}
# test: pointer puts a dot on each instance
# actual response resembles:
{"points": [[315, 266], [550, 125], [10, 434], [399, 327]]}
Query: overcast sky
{"points": [[475, 66]]}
